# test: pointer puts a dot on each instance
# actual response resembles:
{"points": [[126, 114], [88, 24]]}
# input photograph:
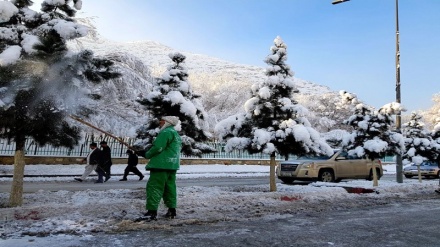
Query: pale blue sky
{"points": [[348, 46]]}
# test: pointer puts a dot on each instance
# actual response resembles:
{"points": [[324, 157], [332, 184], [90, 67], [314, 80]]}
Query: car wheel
{"points": [[370, 177], [408, 176], [378, 173], [287, 180], [326, 176], [438, 175]]}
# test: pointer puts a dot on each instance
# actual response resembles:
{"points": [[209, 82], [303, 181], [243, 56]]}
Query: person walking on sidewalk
{"points": [[92, 160], [131, 166], [164, 156], [107, 159]]}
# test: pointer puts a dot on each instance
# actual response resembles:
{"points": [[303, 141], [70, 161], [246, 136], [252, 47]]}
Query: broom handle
{"points": [[103, 131]]}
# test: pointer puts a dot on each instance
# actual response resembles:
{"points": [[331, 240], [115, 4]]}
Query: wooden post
{"points": [[375, 180], [419, 173], [273, 185], [16, 196]]}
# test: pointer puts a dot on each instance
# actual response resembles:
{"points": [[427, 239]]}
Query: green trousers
{"points": [[161, 184]]}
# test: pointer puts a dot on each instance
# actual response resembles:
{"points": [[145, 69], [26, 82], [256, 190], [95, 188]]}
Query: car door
{"points": [[361, 167], [343, 166]]}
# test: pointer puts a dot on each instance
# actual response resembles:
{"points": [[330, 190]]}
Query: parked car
{"points": [[427, 169], [328, 168]]}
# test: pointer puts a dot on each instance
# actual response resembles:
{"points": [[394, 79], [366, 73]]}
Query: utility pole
{"points": [[399, 165]]}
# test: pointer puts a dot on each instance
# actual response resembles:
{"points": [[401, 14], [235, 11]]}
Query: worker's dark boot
{"points": [[148, 216], [171, 214]]}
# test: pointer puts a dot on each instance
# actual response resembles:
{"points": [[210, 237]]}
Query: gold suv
{"points": [[328, 169]]}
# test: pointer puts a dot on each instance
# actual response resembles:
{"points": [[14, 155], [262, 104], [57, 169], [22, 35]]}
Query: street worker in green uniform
{"points": [[164, 161]]}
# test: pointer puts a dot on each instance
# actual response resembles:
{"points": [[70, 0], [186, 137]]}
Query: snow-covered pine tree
{"points": [[172, 96], [434, 112], [432, 115], [419, 145], [435, 134], [40, 82], [418, 141], [273, 122], [372, 136]]}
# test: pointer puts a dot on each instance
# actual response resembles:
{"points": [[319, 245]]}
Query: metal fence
{"points": [[33, 149], [118, 150]]}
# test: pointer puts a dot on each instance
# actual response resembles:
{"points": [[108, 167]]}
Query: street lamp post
{"points": [[399, 165], [339, 1]]}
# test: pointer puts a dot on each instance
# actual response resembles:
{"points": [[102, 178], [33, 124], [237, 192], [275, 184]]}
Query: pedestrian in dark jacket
{"points": [[100, 167], [131, 166], [164, 161], [107, 159], [94, 163]]}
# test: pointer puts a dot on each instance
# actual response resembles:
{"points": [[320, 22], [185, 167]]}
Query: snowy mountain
{"points": [[223, 85]]}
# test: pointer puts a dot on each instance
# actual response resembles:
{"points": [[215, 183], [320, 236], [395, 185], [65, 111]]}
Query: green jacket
{"points": [[165, 151]]}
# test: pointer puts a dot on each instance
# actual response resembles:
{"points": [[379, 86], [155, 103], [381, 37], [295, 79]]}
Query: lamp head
{"points": [[339, 1]]}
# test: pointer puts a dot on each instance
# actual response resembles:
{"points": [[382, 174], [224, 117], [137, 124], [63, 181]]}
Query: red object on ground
{"points": [[358, 190], [290, 198]]}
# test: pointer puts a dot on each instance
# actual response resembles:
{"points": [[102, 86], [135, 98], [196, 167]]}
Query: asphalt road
{"points": [[396, 224], [392, 222], [30, 187]]}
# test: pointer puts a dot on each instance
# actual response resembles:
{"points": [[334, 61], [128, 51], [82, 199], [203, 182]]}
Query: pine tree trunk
{"points": [[375, 180], [419, 173], [273, 185], [16, 196]]}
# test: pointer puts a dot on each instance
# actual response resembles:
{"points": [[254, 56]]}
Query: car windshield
{"points": [[428, 163], [310, 157]]}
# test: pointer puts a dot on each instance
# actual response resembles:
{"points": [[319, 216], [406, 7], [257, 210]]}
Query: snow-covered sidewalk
{"points": [[65, 213], [185, 172]]}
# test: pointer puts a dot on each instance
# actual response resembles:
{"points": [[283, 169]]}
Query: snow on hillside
{"points": [[224, 85], [155, 56]]}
